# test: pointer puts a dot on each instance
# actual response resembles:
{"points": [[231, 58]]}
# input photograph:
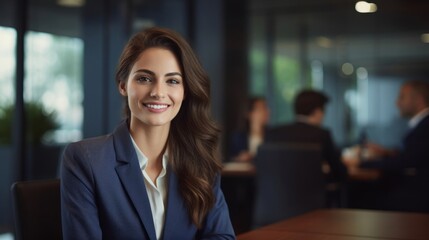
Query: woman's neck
{"points": [[151, 140]]}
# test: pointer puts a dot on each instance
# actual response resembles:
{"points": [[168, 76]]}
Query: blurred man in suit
{"points": [[410, 164], [309, 107]]}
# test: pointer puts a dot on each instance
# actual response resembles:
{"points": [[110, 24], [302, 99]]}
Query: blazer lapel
{"points": [[131, 177]]}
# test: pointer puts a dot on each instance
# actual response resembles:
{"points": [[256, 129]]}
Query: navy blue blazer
{"points": [[239, 142], [407, 192], [413, 154], [300, 132], [103, 196]]}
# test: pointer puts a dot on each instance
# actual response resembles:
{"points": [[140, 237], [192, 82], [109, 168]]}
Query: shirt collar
{"points": [[418, 117], [143, 159]]}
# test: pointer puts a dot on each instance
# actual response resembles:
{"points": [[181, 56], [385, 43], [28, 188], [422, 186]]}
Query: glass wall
{"points": [[8, 37], [7, 76], [358, 59], [52, 93]]}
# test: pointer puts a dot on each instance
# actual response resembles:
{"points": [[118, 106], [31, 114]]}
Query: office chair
{"points": [[37, 209], [289, 181]]}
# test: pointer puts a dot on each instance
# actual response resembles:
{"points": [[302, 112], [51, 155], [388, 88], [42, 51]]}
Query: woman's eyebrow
{"points": [[145, 71], [153, 74], [173, 74]]}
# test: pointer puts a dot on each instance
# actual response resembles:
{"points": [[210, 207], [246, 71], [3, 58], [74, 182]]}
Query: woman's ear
{"points": [[122, 87]]}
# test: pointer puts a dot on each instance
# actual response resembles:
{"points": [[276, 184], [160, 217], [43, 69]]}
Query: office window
{"points": [[7, 76], [7, 63], [53, 62], [53, 80], [7, 97]]}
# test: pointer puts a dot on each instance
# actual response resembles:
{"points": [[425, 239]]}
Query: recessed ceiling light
{"points": [[324, 42], [347, 68], [362, 73], [365, 7], [425, 37], [71, 3]]}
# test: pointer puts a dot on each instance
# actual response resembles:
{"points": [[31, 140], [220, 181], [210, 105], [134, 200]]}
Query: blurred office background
{"points": [[58, 59]]}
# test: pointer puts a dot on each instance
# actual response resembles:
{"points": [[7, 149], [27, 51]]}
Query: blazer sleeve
{"points": [[333, 156], [238, 143], [218, 223], [78, 208]]}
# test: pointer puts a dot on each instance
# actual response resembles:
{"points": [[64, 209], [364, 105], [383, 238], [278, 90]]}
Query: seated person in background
{"points": [[309, 107], [244, 143], [413, 103]]}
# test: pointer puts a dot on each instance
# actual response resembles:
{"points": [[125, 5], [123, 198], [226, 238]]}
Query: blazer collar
{"points": [[129, 173]]}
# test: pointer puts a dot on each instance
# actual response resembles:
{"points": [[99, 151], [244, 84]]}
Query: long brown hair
{"points": [[194, 137]]}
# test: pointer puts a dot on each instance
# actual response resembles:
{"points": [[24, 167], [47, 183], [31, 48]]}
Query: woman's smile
{"points": [[156, 107]]}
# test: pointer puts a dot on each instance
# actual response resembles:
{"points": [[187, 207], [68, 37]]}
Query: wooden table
{"points": [[238, 169], [346, 224], [248, 169], [238, 186]]}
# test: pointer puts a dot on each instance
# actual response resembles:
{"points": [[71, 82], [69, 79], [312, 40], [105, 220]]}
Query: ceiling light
{"points": [[362, 73], [425, 37], [71, 3], [324, 42], [347, 68], [365, 7]]}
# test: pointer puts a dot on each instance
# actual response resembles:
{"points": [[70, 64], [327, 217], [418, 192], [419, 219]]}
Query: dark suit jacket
{"points": [[413, 153], [407, 192], [239, 142], [103, 196], [300, 132]]}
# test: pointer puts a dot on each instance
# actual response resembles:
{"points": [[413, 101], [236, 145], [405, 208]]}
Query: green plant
{"points": [[38, 122]]}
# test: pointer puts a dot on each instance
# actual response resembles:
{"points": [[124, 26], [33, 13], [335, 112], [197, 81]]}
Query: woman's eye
{"points": [[173, 81], [143, 79]]}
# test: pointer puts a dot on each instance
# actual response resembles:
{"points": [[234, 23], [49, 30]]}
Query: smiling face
{"points": [[154, 88]]}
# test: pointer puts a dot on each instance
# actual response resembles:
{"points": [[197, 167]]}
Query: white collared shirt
{"points": [[418, 117], [156, 192], [254, 143]]}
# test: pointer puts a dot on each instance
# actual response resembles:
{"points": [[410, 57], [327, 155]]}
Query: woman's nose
{"points": [[157, 90]]}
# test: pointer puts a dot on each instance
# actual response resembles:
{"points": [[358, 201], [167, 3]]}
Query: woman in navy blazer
{"points": [[157, 176]]}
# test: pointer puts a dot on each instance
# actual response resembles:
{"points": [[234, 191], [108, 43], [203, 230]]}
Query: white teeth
{"points": [[156, 106]]}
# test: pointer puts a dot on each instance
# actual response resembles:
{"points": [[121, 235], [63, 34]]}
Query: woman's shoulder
{"points": [[92, 141], [100, 147], [91, 146]]}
